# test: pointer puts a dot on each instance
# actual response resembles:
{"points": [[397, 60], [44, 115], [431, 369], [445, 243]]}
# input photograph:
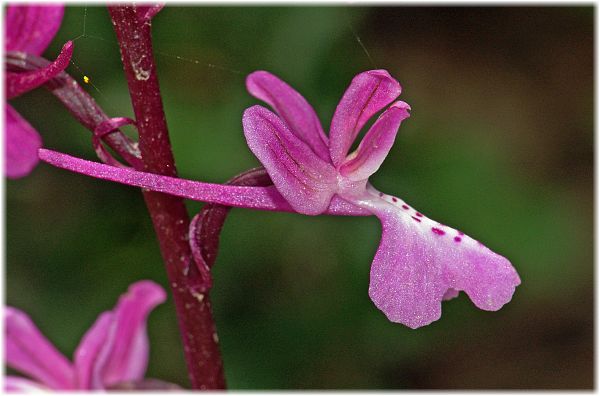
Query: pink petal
{"points": [[128, 356], [31, 28], [261, 198], [305, 180], [418, 262], [28, 351], [376, 144], [93, 351], [14, 384], [19, 83], [368, 93], [21, 144], [292, 108]]}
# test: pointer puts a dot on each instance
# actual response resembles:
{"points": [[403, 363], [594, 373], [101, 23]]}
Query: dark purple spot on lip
{"points": [[416, 218], [394, 199], [405, 207], [381, 194], [437, 231], [457, 239], [419, 214]]}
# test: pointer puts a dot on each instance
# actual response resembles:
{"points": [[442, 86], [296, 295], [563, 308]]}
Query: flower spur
{"points": [[419, 262]]}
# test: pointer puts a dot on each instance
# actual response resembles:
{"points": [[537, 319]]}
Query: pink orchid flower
{"points": [[114, 350], [29, 29], [419, 262]]}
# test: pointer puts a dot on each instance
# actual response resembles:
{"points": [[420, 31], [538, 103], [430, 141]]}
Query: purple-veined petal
{"points": [[128, 357], [420, 262], [376, 144], [14, 384], [368, 93], [28, 351], [19, 83], [93, 351], [31, 28], [305, 180], [260, 198], [293, 109], [21, 144]]}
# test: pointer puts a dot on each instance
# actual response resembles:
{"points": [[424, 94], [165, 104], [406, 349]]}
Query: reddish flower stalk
{"points": [[168, 213]]}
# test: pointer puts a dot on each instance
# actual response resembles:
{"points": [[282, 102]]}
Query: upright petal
{"points": [[18, 83], [31, 28], [21, 144], [420, 262], [22, 385], [28, 351], [376, 144], [368, 93], [93, 351], [306, 181], [128, 357], [293, 109]]}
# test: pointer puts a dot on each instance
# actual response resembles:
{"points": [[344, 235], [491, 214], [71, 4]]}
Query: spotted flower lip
{"points": [[113, 351], [419, 262], [29, 29]]}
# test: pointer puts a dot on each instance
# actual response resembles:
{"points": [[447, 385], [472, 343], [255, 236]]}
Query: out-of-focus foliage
{"points": [[499, 144]]}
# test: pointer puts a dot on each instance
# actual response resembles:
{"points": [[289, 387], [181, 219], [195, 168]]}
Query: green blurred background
{"points": [[499, 144]]}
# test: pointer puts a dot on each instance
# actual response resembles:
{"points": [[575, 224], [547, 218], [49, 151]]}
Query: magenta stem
{"points": [[168, 213]]}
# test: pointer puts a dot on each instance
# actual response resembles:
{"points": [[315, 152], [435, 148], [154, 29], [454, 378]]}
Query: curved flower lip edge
{"points": [[419, 263], [31, 28], [19, 83], [260, 198]]}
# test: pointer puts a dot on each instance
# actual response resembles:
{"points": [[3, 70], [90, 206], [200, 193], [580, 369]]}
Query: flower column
{"points": [[169, 216]]}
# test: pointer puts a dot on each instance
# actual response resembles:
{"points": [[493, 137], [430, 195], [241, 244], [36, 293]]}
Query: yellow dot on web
{"points": [[86, 79]]}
